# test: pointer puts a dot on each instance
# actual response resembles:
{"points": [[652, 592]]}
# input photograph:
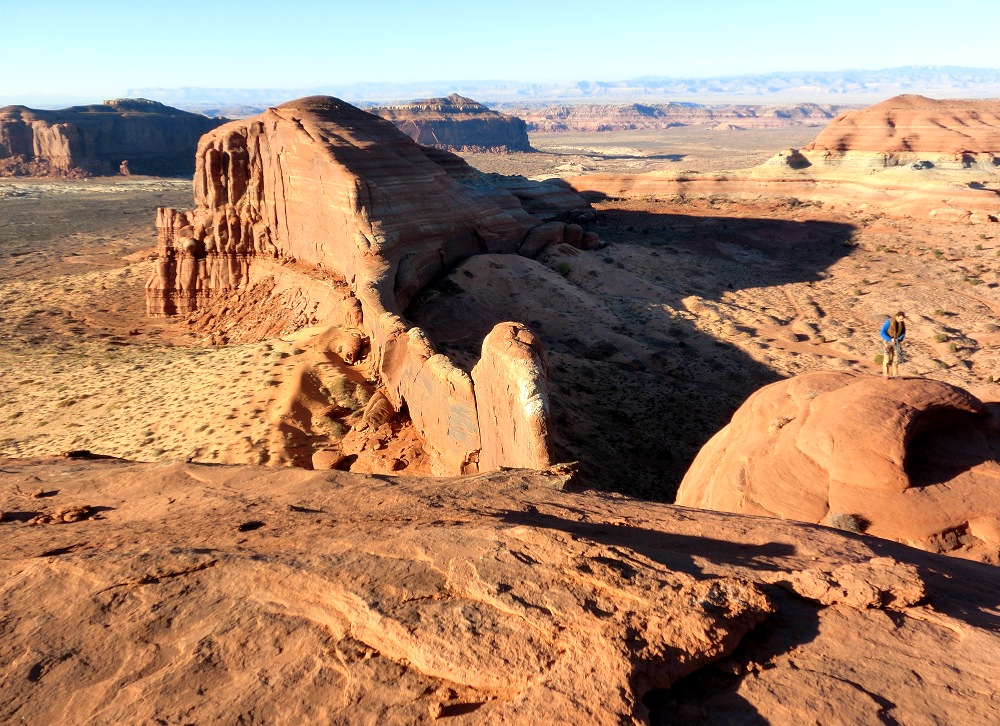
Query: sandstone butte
{"points": [[149, 137], [908, 459], [184, 593], [369, 217], [907, 156], [456, 123]]}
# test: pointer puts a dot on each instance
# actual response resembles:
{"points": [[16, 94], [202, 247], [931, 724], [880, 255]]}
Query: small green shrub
{"points": [[563, 268], [847, 522], [953, 347], [878, 359], [941, 337]]}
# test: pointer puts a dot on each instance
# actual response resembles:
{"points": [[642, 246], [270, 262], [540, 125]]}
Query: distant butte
{"points": [[456, 123], [123, 136]]}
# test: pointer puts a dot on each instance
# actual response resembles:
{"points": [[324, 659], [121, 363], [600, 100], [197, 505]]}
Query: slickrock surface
{"points": [[908, 459], [457, 123], [124, 136], [910, 126], [376, 216], [187, 593]]}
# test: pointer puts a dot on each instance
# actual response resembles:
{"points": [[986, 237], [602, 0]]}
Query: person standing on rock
{"points": [[893, 333]]}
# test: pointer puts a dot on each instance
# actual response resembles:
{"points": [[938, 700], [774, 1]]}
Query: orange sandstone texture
{"points": [[346, 195], [912, 124], [203, 594], [908, 459]]}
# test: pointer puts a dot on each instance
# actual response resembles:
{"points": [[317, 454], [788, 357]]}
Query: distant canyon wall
{"points": [[345, 193], [151, 138], [456, 123], [597, 117]]}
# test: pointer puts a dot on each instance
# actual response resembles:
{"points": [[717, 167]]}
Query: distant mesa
{"points": [[909, 128], [909, 459], [600, 117], [349, 213], [133, 135], [456, 123]]}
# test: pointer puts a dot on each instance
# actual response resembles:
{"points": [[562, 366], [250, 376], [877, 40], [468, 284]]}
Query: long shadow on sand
{"points": [[636, 389]]}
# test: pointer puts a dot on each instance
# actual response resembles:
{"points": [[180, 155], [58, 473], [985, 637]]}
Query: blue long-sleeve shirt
{"points": [[885, 332]]}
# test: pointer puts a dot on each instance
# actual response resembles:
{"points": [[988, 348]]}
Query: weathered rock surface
{"points": [[126, 136], [908, 459], [223, 594], [911, 128], [457, 123], [347, 195], [512, 400]]}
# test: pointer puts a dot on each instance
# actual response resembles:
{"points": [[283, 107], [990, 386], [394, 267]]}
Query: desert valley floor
{"points": [[693, 304]]}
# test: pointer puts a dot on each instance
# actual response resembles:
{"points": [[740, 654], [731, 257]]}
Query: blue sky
{"points": [[99, 49]]}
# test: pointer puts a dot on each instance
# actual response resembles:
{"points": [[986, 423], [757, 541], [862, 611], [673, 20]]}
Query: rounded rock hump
{"points": [[908, 459], [912, 124]]}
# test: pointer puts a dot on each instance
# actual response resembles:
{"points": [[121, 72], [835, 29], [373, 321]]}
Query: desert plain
{"points": [[180, 485]]}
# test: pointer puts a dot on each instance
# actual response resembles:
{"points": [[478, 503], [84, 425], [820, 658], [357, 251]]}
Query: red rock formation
{"points": [[206, 594], [908, 127], [512, 400], [909, 459], [348, 195], [142, 136], [457, 123]]}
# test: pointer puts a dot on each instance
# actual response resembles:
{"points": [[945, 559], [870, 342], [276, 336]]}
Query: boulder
{"points": [[909, 459]]}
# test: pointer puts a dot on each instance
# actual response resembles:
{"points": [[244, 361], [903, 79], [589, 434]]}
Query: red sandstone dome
{"points": [[916, 124], [909, 459]]}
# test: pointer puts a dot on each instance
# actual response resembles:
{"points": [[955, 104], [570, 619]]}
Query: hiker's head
{"points": [[900, 316]]}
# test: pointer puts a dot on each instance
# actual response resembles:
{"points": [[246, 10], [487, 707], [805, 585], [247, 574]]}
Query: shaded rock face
{"points": [[912, 460], [457, 123], [346, 194], [255, 595], [147, 137], [909, 128]]}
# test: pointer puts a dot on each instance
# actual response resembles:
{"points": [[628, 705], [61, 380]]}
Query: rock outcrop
{"points": [[208, 594], [127, 136], [345, 194], [908, 459], [456, 123], [910, 128]]}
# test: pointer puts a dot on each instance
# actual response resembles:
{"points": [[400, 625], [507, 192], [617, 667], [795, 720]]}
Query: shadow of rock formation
{"points": [[640, 371]]}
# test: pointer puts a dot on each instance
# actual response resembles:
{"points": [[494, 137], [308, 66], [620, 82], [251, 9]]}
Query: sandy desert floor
{"points": [[655, 341]]}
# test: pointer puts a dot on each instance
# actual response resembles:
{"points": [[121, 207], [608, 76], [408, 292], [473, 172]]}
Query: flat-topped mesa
{"points": [[346, 194], [128, 136], [456, 123], [909, 128]]}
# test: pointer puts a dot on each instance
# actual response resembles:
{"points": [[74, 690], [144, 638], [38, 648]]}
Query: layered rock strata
{"points": [[907, 129], [457, 123], [346, 194], [908, 459], [124, 136]]}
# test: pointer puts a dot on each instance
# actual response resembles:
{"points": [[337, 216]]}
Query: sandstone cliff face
{"points": [[154, 139], [457, 123], [203, 594], [910, 128], [913, 460], [346, 193]]}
